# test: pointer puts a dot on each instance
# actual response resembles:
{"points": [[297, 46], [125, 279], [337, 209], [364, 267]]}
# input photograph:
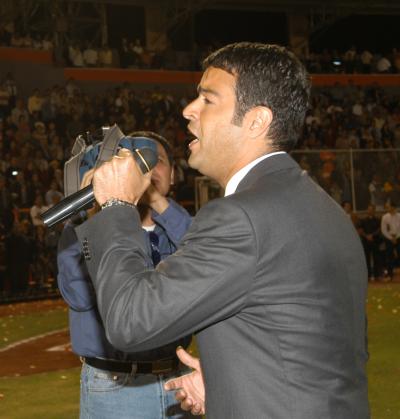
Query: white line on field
{"points": [[33, 338], [59, 348]]}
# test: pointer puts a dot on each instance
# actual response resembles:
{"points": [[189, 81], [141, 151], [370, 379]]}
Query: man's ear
{"points": [[259, 120]]}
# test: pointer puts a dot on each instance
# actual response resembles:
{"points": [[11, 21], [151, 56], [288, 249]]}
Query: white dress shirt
{"points": [[390, 225], [238, 176]]}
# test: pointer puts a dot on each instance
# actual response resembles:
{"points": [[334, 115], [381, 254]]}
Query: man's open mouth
{"points": [[192, 139]]}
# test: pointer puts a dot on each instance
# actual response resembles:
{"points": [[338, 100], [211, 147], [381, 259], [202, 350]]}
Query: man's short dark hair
{"points": [[271, 76], [159, 138]]}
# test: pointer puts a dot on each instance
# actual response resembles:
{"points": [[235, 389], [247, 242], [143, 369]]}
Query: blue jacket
{"points": [[86, 329]]}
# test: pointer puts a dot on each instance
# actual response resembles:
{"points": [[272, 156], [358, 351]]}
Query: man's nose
{"points": [[190, 112]]}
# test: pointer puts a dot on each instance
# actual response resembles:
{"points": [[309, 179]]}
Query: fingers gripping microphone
{"points": [[146, 158]]}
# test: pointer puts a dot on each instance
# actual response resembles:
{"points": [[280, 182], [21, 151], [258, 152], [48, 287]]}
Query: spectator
{"points": [[53, 195], [105, 56], [59, 179], [37, 42], [39, 136], [350, 60], [90, 56], [35, 102], [23, 133], [357, 109], [377, 193], [12, 89], [16, 40], [6, 206], [390, 227], [125, 57], [13, 168], [4, 100], [383, 65], [27, 41], [348, 209], [370, 232], [37, 210], [396, 60], [55, 149], [22, 191], [75, 126], [19, 110], [47, 43], [49, 112], [41, 258], [75, 55], [138, 49]]}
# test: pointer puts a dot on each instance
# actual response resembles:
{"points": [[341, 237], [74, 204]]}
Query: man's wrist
{"points": [[160, 205], [115, 202]]}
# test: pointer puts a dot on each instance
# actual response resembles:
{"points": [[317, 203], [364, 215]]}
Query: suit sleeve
{"points": [[175, 221], [73, 278], [205, 281]]}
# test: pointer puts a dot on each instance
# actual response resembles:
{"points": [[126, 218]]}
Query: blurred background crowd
{"points": [[350, 143], [130, 53]]}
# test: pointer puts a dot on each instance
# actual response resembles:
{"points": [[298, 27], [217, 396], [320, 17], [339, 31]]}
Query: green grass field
{"points": [[15, 327], [384, 344], [55, 395]]}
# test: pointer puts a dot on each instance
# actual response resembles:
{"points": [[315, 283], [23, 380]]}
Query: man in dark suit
{"points": [[272, 277]]}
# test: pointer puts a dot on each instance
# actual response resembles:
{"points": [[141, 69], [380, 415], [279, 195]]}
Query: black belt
{"points": [[161, 366]]}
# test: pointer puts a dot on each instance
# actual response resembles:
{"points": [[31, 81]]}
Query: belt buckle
{"points": [[161, 366]]}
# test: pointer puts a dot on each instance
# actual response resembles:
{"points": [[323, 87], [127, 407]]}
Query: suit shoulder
{"points": [[221, 214]]}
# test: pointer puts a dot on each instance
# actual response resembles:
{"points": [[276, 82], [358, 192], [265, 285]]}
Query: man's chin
{"points": [[193, 161]]}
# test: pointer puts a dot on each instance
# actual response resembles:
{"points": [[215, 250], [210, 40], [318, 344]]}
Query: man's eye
{"points": [[205, 100]]}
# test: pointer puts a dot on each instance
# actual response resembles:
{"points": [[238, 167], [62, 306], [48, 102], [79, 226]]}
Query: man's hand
{"points": [[87, 180], [120, 178], [190, 387]]}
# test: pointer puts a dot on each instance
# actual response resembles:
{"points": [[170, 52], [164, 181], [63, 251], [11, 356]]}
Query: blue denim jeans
{"points": [[114, 395]]}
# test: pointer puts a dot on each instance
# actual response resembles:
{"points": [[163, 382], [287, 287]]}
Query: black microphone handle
{"points": [[146, 158], [69, 206]]}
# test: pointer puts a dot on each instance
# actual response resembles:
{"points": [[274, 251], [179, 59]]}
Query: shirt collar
{"points": [[238, 176], [149, 228]]}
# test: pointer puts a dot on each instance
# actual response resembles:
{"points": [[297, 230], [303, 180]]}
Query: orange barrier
{"points": [[133, 76], [356, 79], [119, 75], [26, 54], [189, 77]]}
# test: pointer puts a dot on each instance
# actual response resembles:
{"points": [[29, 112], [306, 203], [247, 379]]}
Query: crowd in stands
{"points": [[131, 53], [380, 237], [37, 133], [36, 137], [10, 38], [360, 119], [353, 61]]}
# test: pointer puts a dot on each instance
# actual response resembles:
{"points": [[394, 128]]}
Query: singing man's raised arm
{"points": [[205, 281]]}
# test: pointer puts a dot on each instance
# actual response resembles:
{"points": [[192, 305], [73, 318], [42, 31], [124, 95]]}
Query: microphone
{"points": [[145, 157]]}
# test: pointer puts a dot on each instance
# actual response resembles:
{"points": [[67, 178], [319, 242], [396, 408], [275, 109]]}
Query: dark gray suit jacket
{"points": [[272, 279]]}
